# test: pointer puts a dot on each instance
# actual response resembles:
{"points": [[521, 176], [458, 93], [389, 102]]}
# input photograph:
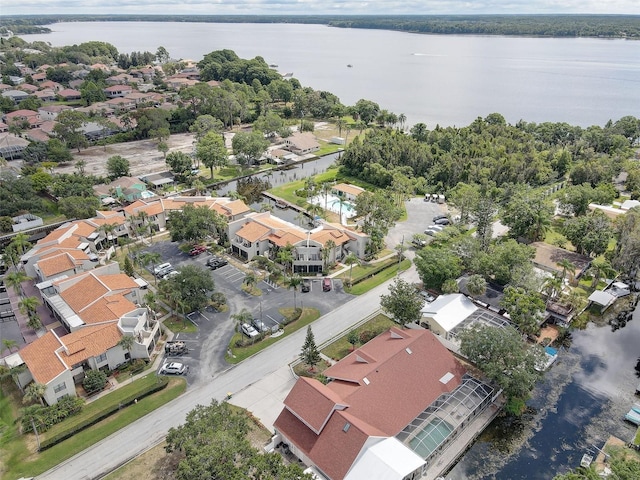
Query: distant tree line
{"points": [[608, 26]]}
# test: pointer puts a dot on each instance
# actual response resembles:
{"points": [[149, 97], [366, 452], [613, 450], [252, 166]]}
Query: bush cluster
{"points": [[45, 417]]}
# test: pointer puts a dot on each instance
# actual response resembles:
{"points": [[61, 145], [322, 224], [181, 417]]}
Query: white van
{"points": [[161, 267]]}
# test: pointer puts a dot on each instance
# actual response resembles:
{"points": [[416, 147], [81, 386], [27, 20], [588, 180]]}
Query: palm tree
{"points": [[553, 287], [10, 256], [327, 251], [34, 392], [285, 257], [326, 189], [294, 282], [21, 243], [198, 186], [476, 285], [315, 210], [143, 217], [15, 279], [127, 342], [567, 267], [28, 306], [108, 229], [8, 344], [600, 267], [351, 260], [340, 123], [250, 280], [402, 118], [152, 258], [244, 316]]}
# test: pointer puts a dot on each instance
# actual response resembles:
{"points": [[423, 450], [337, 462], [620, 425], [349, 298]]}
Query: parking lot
{"points": [[207, 347]]}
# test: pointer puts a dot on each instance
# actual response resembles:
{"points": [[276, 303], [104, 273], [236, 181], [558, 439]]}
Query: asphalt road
{"points": [[108, 454]]}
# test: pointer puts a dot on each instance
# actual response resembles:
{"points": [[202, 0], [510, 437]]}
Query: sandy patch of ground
{"points": [[143, 155]]}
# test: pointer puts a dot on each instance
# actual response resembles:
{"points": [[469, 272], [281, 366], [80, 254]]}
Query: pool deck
{"points": [[449, 456]]}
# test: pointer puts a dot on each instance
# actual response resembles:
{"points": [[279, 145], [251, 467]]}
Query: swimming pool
{"points": [[348, 208], [430, 437]]}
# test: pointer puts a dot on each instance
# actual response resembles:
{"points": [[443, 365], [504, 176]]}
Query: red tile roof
{"points": [[384, 384]]}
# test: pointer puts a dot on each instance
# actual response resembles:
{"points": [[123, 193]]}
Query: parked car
{"points": [[175, 348], [438, 217], [260, 326], [433, 229], [169, 274], [306, 285], [197, 250], [248, 330], [442, 221], [428, 298], [326, 284], [165, 271], [159, 268], [173, 368], [216, 262]]}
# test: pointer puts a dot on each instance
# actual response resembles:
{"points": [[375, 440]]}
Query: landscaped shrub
{"points": [[45, 417], [366, 335], [94, 381], [54, 440]]}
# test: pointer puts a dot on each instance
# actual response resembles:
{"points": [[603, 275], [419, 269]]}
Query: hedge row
{"points": [[54, 440], [370, 273]]}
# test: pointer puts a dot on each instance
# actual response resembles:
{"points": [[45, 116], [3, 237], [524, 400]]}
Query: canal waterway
{"points": [[579, 403]]}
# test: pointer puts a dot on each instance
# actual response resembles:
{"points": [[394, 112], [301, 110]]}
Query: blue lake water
{"points": [[436, 79]]}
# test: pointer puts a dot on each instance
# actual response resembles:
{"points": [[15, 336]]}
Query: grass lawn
{"points": [[19, 459], [178, 325], [378, 279], [240, 353], [636, 440], [341, 347]]}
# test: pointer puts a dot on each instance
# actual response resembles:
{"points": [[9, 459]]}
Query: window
{"points": [[60, 387], [101, 358]]}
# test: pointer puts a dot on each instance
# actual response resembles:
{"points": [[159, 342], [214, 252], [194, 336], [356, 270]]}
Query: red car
{"points": [[197, 250]]}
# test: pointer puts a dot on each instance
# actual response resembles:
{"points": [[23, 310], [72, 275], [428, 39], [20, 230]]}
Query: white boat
{"points": [[634, 415], [586, 460]]}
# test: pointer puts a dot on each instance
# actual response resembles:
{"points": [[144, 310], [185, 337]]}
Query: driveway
{"points": [[208, 346]]}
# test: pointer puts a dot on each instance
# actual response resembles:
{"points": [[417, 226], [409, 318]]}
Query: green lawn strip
{"points": [[379, 278], [56, 454], [341, 347], [636, 440], [179, 325], [240, 353], [94, 408]]}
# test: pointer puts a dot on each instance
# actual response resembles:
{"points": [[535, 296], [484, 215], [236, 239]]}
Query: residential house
{"points": [[51, 85], [16, 95], [51, 112], [264, 234], [39, 77], [27, 117], [12, 146], [128, 189], [347, 191], [61, 362], [302, 143], [114, 91], [121, 104], [27, 87], [69, 94], [388, 410], [119, 79], [177, 83], [47, 95], [449, 314], [547, 257]]}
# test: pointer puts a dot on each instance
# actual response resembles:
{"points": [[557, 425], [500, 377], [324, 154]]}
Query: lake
{"points": [[435, 79]]}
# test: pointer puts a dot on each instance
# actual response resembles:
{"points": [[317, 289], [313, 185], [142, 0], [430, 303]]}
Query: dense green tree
{"points": [[590, 234], [503, 357], [179, 163], [58, 152], [214, 445], [194, 224], [92, 93], [366, 110], [403, 302], [68, 128], [528, 215], [34, 393], [210, 150], [151, 122], [205, 124], [436, 265], [79, 207], [525, 308], [41, 181], [476, 285], [35, 153], [192, 286], [626, 257], [505, 261], [249, 146], [117, 167]]}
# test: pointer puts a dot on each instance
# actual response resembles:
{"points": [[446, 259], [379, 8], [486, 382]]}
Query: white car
{"points": [[173, 368], [161, 267], [433, 229], [249, 331]]}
